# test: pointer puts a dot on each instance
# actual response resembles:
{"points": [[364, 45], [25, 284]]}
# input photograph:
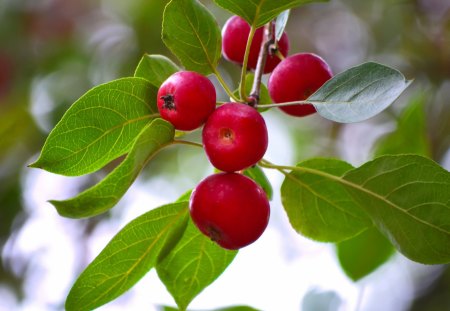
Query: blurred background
{"points": [[53, 51]]}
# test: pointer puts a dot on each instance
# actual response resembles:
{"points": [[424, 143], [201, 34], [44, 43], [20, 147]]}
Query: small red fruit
{"points": [[186, 99], [234, 40], [230, 208], [235, 137], [296, 78]]}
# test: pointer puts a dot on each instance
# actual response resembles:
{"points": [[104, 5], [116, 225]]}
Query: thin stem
{"points": [[307, 102], [225, 86], [266, 164], [298, 102], [281, 168], [279, 54], [262, 57], [245, 62]]}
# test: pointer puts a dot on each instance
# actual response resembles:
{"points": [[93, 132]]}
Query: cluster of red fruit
{"points": [[229, 207]]}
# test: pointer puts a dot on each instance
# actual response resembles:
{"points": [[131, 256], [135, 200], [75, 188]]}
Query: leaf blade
{"points": [[127, 257], [410, 124], [82, 142], [407, 197], [359, 93], [192, 265], [280, 23], [191, 32], [364, 253], [259, 12], [414, 215], [110, 190], [155, 69], [318, 207]]}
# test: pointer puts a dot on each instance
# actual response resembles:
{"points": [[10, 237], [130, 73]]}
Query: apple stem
{"points": [[266, 44]]}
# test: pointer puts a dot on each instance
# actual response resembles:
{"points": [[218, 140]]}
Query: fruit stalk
{"points": [[268, 40], [245, 62]]}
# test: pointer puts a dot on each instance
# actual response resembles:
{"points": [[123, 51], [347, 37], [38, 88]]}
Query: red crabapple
{"points": [[186, 99], [230, 208], [234, 40], [235, 137], [296, 78]]}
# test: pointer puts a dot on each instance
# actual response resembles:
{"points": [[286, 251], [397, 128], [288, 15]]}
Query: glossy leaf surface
{"points": [[128, 256], [319, 207], [259, 12], [110, 190], [408, 198], [191, 32], [155, 69], [192, 265], [99, 127]]}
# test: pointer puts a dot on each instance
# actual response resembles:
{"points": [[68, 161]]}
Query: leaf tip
{"points": [[57, 205], [35, 164], [408, 82]]}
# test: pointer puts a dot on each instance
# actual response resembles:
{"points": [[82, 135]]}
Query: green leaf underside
{"points": [[359, 93], [192, 265], [318, 207], [191, 32], [110, 190], [280, 23], [128, 257], [99, 127], [155, 69], [258, 175], [259, 12], [410, 136], [408, 198], [364, 253]]}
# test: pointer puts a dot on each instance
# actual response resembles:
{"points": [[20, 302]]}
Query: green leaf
{"points": [[155, 69], [359, 93], [259, 12], [258, 175], [280, 23], [408, 198], [319, 207], [192, 265], [110, 190], [128, 256], [364, 253], [191, 32], [410, 136], [99, 127]]}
